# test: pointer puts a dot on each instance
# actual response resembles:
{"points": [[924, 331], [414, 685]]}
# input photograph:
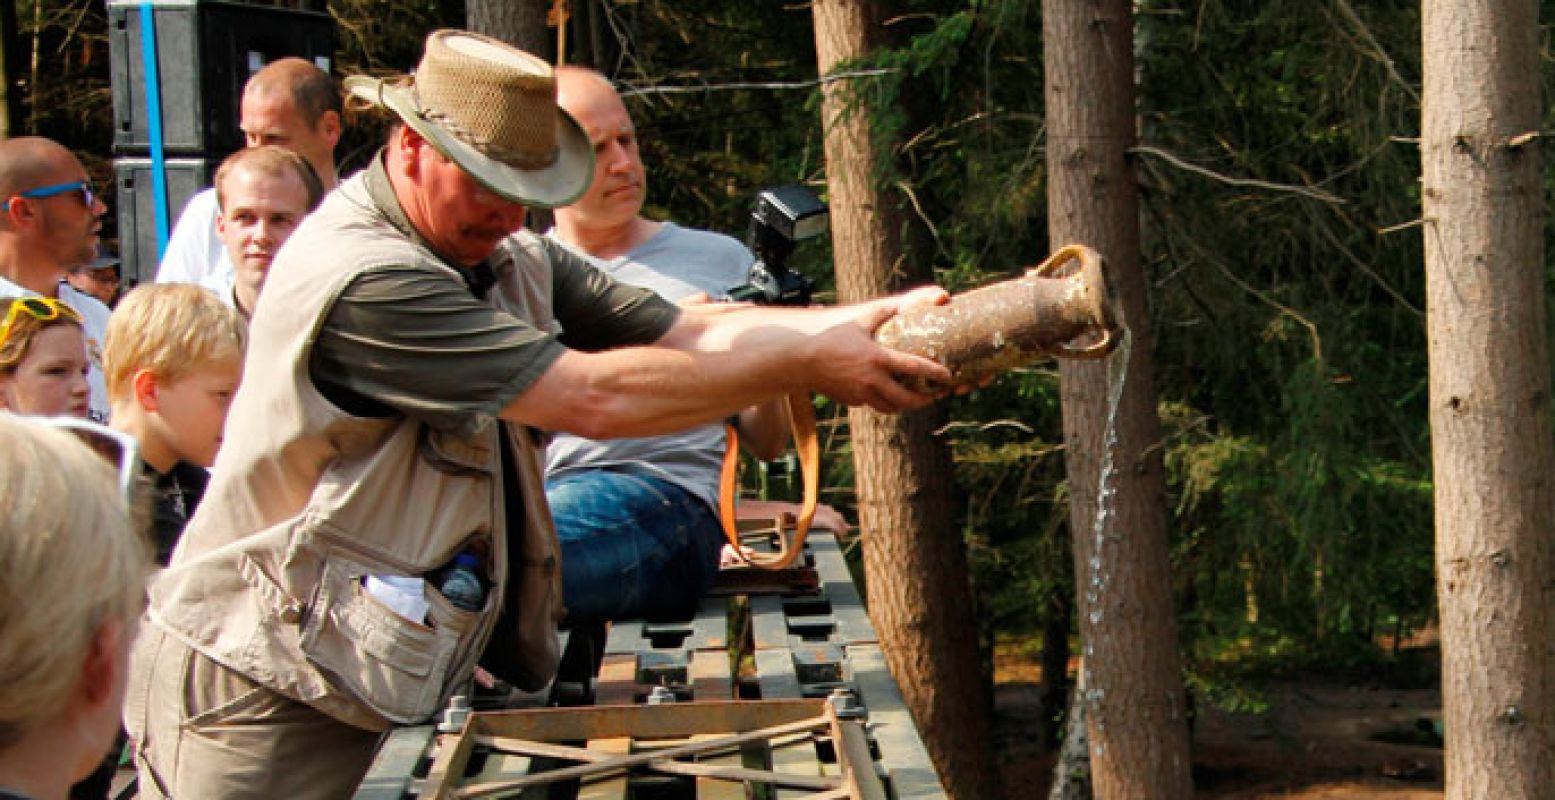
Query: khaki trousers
{"points": [[204, 731]]}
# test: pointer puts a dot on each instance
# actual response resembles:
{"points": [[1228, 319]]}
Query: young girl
{"points": [[43, 361]]}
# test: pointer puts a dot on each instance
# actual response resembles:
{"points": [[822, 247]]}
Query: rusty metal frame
{"points": [[710, 727]]}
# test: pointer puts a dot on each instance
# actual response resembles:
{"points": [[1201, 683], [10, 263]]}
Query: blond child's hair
{"points": [[70, 562], [172, 329], [25, 328]]}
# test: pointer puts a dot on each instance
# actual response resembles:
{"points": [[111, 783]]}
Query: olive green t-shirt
{"points": [[410, 339]]}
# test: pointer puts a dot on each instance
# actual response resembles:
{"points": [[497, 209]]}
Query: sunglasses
{"points": [[42, 309], [88, 195], [118, 447]]}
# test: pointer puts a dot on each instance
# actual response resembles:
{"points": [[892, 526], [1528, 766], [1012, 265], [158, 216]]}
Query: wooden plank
{"points": [[902, 753], [612, 787], [617, 685], [389, 777], [774, 662], [710, 626], [709, 788], [644, 722], [775, 674], [650, 781], [507, 766], [796, 755], [819, 667], [769, 626], [847, 607], [710, 675], [626, 636]]}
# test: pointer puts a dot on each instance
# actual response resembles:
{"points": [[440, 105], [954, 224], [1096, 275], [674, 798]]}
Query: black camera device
{"points": [[780, 218]]}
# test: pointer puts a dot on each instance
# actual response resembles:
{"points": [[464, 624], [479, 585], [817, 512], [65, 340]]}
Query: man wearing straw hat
{"points": [[409, 337]]}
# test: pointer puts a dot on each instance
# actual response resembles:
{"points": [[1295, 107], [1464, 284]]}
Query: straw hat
{"points": [[491, 108]]}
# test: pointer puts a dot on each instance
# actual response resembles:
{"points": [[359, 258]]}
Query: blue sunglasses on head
{"points": [[88, 196]]}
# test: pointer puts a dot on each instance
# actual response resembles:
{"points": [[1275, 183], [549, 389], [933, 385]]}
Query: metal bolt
{"points": [[846, 705], [455, 715]]}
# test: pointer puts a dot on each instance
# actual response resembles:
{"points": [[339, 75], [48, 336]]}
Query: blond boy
{"points": [[173, 358]]}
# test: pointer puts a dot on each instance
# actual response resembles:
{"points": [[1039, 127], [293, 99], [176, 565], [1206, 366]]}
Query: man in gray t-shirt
{"points": [[638, 518]]}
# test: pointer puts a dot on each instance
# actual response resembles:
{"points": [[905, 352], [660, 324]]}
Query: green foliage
{"points": [[1279, 173], [1289, 332], [381, 39], [61, 78]]}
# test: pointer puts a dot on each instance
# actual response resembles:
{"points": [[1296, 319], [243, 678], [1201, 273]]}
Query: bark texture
{"points": [[918, 593], [1489, 393], [1135, 706]]}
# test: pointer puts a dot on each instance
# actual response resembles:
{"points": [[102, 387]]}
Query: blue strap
{"points": [[153, 80]]}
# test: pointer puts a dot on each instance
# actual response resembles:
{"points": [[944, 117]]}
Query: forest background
{"points": [[1279, 175]]}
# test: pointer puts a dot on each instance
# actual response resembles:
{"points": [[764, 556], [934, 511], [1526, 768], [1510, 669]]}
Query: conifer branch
{"points": [[1315, 194], [636, 91], [1348, 12]]}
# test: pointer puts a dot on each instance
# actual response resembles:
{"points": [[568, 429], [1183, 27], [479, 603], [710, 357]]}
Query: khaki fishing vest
{"points": [[306, 500]]}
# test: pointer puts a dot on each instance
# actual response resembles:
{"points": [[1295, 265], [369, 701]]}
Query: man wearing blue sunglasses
{"points": [[49, 222]]}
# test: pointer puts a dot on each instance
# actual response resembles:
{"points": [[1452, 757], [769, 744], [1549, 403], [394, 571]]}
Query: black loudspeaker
{"points": [[205, 51], [137, 215]]}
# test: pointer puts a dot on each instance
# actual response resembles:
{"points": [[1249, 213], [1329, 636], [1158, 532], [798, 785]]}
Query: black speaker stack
{"points": [[178, 72]]}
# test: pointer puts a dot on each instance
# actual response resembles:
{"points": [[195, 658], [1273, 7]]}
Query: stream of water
{"points": [[1097, 574]]}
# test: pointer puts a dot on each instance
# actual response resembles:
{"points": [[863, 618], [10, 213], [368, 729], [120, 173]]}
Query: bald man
{"points": [[49, 222], [638, 518], [289, 103]]}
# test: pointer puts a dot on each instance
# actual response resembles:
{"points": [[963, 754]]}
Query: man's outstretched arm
{"points": [[717, 361]]}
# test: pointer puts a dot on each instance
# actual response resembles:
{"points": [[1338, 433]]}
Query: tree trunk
{"points": [[1135, 707], [520, 23], [919, 596], [35, 68], [1489, 393], [591, 39], [10, 93]]}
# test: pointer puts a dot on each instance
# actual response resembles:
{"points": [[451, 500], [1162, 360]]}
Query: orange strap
{"points": [[801, 419], [557, 18]]}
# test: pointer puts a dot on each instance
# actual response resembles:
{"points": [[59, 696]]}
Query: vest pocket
{"points": [[394, 665]]}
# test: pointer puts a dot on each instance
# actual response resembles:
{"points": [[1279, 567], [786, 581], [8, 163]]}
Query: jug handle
{"points": [[1049, 269]]}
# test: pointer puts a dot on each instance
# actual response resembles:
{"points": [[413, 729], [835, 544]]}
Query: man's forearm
{"points": [[645, 391], [715, 362], [721, 327]]}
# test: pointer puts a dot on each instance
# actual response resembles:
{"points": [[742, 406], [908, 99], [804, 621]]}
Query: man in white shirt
{"points": [[264, 192], [289, 103], [49, 220]]}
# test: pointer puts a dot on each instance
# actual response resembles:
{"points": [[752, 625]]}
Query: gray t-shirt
{"points": [[675, 262], [409, 339]]}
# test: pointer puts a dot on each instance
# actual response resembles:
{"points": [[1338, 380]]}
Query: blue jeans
{"points": [[633, 546]]}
